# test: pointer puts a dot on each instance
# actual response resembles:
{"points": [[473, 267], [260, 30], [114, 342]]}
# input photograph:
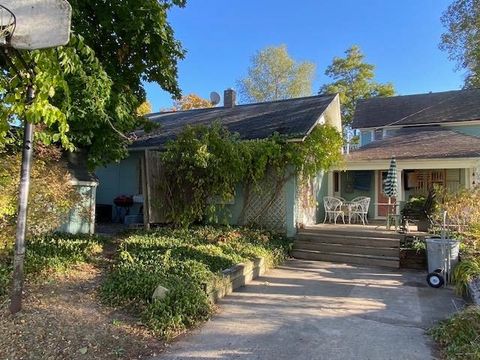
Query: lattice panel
{"points": [[259, 213]]}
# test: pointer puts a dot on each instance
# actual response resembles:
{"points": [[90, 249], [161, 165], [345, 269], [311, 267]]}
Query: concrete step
{"points": [[328, 247], [367, 260], [349, 239]]}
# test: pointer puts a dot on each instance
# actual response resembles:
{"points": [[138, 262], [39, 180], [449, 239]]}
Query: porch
{"points": [[412, 181]]}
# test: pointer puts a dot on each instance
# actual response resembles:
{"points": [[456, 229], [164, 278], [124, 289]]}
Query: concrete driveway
{"points": [[318, 310]]}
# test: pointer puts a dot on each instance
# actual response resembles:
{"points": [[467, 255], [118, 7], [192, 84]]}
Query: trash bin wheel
{"points": [[435, 280]]}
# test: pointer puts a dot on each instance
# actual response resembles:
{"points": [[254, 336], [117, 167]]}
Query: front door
{"points": [[381, 197]]}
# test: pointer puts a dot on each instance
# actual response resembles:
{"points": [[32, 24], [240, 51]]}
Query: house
{"points": [[434, 137], [293, 118], [81, 219]]}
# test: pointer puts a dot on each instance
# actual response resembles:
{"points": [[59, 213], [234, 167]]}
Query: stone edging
{"points": [[474, 291], [236, 277]]}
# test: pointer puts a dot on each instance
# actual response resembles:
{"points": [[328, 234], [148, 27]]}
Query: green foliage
{"points": [[464, 272], [50, 254], [460, 335], [203, 166], [274, 75], [70, 83], [52, 196], [184, 306], [88, 92], [353, 80], [462, 38], [186, 262]]}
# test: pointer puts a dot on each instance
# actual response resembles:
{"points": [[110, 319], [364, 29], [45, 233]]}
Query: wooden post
{"points": [[145, 190]]}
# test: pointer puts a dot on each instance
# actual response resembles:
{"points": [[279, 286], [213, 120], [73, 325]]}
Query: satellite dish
{"points": [[214, 98]]}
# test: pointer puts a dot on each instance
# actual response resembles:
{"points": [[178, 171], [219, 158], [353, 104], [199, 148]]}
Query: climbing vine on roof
{"points": [[204, 166]]}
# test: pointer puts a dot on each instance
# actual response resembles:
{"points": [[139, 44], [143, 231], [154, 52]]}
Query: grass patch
{"points": [[459, 336], [186, 262], [50, 254]]}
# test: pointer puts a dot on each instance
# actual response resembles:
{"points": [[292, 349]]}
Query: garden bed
{"points": [[73, 281], [196, 266], [412, 253], [413, 259]]}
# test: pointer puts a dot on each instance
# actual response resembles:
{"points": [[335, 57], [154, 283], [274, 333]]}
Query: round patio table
{"points": [[348, 205]]}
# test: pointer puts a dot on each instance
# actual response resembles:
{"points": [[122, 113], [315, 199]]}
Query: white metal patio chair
{"points": [[359, 208], [333, 209]]}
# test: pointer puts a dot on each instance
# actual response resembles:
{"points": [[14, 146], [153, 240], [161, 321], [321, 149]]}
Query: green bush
{"points": [[188, 262], [185, 305], [460, 335], [50, 254]]}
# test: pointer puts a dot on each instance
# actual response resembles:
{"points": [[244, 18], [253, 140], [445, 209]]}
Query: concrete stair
{"points": [[351, 246]]}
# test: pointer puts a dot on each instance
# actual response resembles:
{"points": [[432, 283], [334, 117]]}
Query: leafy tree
{"points": [[353, 80], [52, 195], [274, 75], [144, 108], [88, 91], [462, 39], [191, 101]]}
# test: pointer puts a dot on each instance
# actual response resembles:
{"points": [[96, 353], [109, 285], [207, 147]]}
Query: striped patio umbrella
{"points": [[390, 186]]}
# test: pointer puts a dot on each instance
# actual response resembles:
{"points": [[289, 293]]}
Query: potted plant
{"points": [[420, 209]]}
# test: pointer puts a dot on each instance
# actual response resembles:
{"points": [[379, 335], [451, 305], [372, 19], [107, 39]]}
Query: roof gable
{"points": [[420, 109], [293, 118]]}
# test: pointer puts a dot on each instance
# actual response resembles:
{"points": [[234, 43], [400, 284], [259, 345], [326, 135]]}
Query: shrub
{"points": [[460, 335], [51, 194], [185, 305], [463, 215], [186, 262]]}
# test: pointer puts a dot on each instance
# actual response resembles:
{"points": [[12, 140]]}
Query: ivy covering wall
{"points": [[204, 164]]}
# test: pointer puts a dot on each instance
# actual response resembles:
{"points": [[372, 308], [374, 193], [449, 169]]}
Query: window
{"points": [[378, 134]]}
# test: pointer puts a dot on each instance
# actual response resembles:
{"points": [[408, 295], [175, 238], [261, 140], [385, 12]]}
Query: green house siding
{"points": [[473, 130], [80, 220]]}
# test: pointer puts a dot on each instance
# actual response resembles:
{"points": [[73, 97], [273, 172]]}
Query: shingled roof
{"points": [[432, 142], [420, 109], [294, 118]]}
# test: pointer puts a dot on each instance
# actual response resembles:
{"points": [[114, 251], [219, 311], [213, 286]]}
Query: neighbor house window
{"points": [[378, 134]]}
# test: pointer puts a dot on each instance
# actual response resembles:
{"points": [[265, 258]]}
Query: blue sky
{"points": [[399, 37]]}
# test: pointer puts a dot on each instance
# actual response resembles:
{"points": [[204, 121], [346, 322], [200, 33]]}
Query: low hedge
{"points": [[186, 262], [50, 254]]}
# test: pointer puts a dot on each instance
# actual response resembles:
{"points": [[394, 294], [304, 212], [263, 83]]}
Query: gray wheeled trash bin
{"points": [[442, 256]]}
